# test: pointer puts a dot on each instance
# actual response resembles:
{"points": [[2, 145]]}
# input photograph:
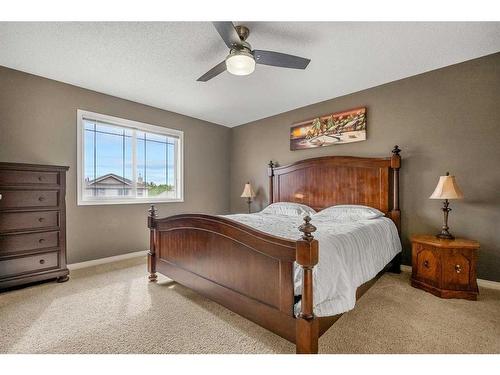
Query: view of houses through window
{"points": [[124, 163]]}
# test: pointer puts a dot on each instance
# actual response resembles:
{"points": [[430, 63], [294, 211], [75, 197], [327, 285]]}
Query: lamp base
{"points": [[445, 235]]}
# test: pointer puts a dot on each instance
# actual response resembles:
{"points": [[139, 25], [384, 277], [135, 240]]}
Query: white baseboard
{"points": [[116, 258], [405, 268], [481, 282], [488, 284]]}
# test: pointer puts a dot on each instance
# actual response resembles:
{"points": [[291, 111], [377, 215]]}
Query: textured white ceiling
{"points": [[158, 63]]}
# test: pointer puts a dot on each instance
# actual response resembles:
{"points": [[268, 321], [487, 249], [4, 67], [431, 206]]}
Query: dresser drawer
{"points": [[8, 177], [13, 243], [13, 221], [28, 198], [27, 264]]}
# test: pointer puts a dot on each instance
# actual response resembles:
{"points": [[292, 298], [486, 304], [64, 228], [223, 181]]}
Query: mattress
{"points": [[350, 254]]}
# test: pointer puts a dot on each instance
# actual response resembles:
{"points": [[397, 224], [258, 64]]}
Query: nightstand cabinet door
{"points": [[428, 267], [457, 270]]}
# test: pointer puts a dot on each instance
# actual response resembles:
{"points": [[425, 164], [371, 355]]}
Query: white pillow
{"points": [[288, 209], [348, 212]]}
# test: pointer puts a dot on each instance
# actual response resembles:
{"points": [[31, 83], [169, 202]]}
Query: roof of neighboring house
{"points": [[112, 176]]}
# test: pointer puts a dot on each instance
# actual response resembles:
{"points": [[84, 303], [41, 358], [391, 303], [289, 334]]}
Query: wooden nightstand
{"points": [[445, 268]]}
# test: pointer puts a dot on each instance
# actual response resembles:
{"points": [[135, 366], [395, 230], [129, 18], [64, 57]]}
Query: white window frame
{"points": [[179, 154]]}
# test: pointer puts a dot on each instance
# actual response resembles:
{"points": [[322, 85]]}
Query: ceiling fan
{"points": [[242, 59]]}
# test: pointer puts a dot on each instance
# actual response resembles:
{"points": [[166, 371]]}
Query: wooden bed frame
{"points": [[251, 272]]}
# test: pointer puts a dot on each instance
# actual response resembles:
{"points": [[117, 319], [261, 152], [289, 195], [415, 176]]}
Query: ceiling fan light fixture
{"points": [[242, 58], [240, 63]]}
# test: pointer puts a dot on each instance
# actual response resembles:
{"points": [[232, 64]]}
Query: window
{"points": [[122, 161]]}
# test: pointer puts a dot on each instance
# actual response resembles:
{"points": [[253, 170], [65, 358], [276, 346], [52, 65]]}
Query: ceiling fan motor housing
{"points": [[243, 32]]}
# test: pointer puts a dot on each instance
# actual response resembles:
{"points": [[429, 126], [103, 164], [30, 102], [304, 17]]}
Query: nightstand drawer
{"points": [[428, 265]]}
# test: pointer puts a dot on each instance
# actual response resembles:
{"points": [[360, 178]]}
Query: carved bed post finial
{"points": [[307, 328], [396, 150], [307, 228], [153, 211], [152, 244], [270, 173]]}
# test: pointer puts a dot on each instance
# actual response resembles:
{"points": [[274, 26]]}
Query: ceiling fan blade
{"points": [[215, 71], [228, 33], [280, 59]]}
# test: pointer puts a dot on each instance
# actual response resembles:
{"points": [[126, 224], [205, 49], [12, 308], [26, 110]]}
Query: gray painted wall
{"points": [[444, 120], [448, 119], [38, 125]]}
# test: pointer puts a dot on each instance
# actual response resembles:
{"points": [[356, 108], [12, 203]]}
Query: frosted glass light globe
{"points": [[240, 63]]}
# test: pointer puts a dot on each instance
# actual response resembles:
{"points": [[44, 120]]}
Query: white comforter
{"points": [[350, 254]]}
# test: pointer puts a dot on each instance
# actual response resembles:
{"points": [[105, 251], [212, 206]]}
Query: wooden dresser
{"points": [[32, 223], [445, 268]]}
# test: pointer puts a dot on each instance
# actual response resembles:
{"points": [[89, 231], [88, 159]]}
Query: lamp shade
{"points": [[447, 188], [248, 191]]}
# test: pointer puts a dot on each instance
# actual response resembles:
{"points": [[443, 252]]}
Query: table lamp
{"points": [[446, 189], [248, 193]]}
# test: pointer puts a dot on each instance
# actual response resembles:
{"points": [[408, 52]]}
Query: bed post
{"points": [[270, 173], [306, 327], [152, 244], [395, 212]]}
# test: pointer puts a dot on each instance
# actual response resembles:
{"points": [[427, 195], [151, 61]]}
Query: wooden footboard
{"points": [[243, 269]]}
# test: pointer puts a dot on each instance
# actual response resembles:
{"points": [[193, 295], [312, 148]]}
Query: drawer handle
{"points": [[41, 199], [426, 263], [41, 240], [458, 268], [40, 178], [41, 219], [42, 261]]}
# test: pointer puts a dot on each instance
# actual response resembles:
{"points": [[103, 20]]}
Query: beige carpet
{"points": [[113, 309]]}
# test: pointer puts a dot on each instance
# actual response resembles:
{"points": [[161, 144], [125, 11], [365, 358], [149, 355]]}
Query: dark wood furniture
{"points": [[445, 268], [32, 224], [251, 272]]}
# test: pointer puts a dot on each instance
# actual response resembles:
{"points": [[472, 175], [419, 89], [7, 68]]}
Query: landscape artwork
{"points": [[337, 128]]}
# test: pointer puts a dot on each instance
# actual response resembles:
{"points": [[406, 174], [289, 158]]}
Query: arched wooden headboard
{"points": [[330, 180]]}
